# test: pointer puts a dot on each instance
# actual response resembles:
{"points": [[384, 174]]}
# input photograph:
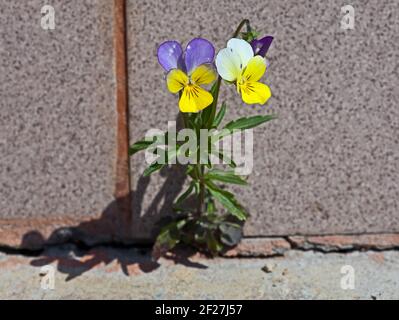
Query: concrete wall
{"points": [[328, 165], [57, 117]]}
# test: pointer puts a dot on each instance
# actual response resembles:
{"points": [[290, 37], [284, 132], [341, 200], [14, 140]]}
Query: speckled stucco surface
{"points": [[329, 164], [57, 115]]}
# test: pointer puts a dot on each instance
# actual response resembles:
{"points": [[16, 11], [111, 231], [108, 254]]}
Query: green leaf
{"points": [[231, 233], [169, 234], [220, 115], [185, 194], [210, 114], [248, 122], [225, 176], [207, 112], [138, 146], [250, 35], [228, 200], [209, 203], [153, 167], [190, 171], [224, 158], [194, 120], [145, 143], [210, 207], [213, 244], [240, 124]]}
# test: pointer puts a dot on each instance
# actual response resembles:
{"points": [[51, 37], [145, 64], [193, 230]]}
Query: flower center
{"points": [[242, 83]]}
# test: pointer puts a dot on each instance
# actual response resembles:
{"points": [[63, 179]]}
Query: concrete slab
{"points": [[106, 273], [57, 118], [329, 164]]}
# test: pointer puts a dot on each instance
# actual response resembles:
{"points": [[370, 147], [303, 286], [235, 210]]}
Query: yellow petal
{"points": [[194, 99], [176, 80], [255, 69], [254, 92], [203, 74]]}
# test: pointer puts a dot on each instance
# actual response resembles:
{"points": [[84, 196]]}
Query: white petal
{"points": [[228, 64], [242, 48]]}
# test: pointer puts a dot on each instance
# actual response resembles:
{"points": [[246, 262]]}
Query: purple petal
{"points": [[261, 46], [170, 55], [255, 44], [198, 51]]}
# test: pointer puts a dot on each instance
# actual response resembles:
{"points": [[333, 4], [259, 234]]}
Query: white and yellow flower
{"points": [[237, 64]]}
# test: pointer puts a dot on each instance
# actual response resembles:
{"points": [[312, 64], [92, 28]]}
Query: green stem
{"points": [[214, 103], [238, 30], [201, 167], [201, 198], [198, 170], [185, 119], [219, 80]]}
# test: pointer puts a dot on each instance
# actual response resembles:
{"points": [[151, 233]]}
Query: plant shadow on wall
{"points": [[90, 244], [160, 208]]}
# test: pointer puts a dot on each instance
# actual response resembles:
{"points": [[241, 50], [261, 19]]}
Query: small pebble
{"points": [[285, 272], [268, 268]]}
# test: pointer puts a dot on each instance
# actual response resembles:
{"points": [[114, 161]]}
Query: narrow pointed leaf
{"points": [[225, 159], [225, 176], [144, 144], [212, 108], [249, 122], [152, 168], [155, 166], [185, 194], [220, 115], [138, 146], [228, 201]]}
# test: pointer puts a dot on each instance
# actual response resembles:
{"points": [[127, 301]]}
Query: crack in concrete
{"points": [[147, 248], [82, 247], [307, 245]]}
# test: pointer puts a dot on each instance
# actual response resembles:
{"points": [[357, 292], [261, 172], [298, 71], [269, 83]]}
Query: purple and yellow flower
{"points": [[189, 70], [238, 64], [261, 46]]}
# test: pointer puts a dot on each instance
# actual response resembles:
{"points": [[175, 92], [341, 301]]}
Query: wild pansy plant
{"points": [[216, 221]]}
